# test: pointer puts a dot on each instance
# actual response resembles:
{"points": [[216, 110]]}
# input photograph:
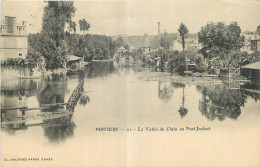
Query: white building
{"points": [[14, 38]]}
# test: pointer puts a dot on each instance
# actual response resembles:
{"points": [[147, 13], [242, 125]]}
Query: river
{"points": [[154, 122]]}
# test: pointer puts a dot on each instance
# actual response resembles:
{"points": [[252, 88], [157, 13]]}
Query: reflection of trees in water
{"points": [[165, 90], [177, 85], [100, 68], [13, 127], [84, 99], [58, 129], [52, 92], [220, 102], [183, 111]]}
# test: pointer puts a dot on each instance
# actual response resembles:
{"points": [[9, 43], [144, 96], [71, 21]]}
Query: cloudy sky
{"points": [[141, 16]]}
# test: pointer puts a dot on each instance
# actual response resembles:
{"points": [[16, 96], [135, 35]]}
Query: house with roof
{"points": [[251, 71], [13, 38], [147, 50], [74, 63], [255, 44], [176, 46], [121, 49]]}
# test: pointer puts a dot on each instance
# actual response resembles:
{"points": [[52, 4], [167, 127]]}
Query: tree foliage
{"points": [[91, 47], [56, 15], [120, 41], [166, 40], [258, 30], [183, 30], [72, 26], [49, 43], [220, 36], [84, 25]]}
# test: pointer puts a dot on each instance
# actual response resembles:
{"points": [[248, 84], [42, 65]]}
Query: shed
{"points": [[251, 71], [74, 63]]}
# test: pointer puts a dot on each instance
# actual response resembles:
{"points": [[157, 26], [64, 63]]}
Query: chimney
{"points": [[158, 28], [24, 28], [10, 23]]}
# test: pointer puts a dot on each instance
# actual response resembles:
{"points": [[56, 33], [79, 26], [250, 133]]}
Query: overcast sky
{"points": [[139, 17]]}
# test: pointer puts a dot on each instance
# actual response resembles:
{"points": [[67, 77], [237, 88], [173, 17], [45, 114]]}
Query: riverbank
{"points": [[187, 80]]}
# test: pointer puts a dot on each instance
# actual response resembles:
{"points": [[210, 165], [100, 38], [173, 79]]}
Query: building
{"points": [[176, 46], [14, 38], [121, 49], [251, 71], [255, 44], [74, 63], [246, 47], [147, 50]]}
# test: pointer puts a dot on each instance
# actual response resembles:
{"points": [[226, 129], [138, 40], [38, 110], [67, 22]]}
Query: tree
{"points": [[72, 26], [120, 42], [84, 25], [126, 47], [166, 40], [258, 30], [49, 43], [183, 30], [223, 37], [56, 15]]}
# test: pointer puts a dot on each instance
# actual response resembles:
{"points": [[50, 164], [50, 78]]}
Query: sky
{"points": [[142, 16]]}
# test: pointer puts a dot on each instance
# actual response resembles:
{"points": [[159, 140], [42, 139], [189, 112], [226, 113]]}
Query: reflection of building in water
{"points": [[220, 102], [12, 128], [165, 90], [252, 90], [57, 126], [58, 129], [14, 93]]}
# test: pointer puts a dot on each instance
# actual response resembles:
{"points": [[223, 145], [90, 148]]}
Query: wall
{"points": [[13, 46]]}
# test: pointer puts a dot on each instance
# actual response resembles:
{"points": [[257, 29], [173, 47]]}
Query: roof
{"points": [[121, 48], [256, 38], [255, 66], [73, 58]]}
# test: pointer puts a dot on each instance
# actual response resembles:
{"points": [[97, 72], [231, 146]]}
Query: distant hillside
{"points": [[151, 40]]}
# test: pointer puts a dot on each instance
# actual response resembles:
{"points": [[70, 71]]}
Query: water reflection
{"points": [[58, 129], [100, 69], [14, 92], [165, 90], [219, 102], [183, 111], [52, 92], [216, 102], [84, 99], [58, 125]]}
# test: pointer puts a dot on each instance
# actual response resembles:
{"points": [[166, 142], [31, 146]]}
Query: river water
{"points": [[158, 122]]}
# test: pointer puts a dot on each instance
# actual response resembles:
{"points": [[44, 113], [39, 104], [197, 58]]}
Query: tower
{"points": [[158, 28]]}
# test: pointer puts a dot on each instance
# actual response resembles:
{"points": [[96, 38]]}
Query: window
{"points": [[2, 28], [253, 45], [20, 54]]}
